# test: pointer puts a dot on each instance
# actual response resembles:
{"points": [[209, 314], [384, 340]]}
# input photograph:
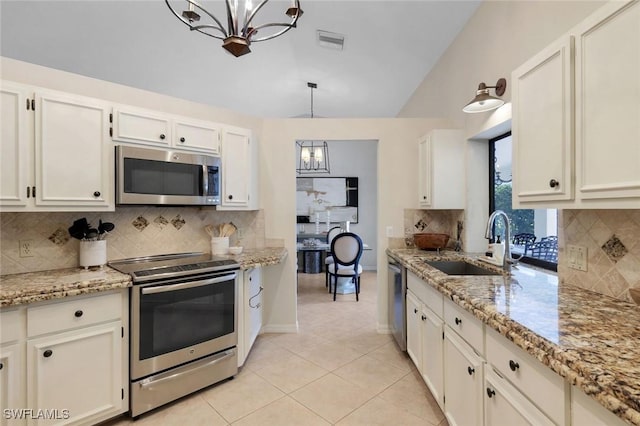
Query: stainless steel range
{"points": [[183, 325]]}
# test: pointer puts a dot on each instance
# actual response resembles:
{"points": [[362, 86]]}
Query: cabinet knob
{"points": [[458, 321], [554, 183], [78, 313], [424, 197], [490, 392], [230, 197], [415, 311], [513, 365], [182, 139], [424, 318], [96, 193], [47, 353], [162, 136], [471, 370], [1, 366]]}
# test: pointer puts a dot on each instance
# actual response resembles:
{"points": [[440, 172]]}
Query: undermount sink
{"points": [[459, 267]]}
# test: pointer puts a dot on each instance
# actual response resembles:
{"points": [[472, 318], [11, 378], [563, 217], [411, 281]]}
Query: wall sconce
{"points": [[485, 102], [314, 157]]}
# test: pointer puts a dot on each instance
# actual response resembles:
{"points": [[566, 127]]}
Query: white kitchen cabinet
{"points": [[504, 405], [543, 137], [239, 170], [16, 149], [441, 170], [608, 104], [57, 157], [587, 411], [12, 386], [250, 312], [463, 382], [414, 330], [135, 125], [197, 135], [433, 354]]}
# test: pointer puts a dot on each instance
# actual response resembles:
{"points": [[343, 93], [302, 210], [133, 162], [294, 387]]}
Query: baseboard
{"points": [[383, 328], [280, 328]]}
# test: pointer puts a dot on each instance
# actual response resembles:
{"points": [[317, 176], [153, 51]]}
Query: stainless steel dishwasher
{"points": [[397, 287]]}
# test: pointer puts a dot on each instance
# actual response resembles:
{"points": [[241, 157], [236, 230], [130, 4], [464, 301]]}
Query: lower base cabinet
{"points": [[586, 411], [250, 312]]}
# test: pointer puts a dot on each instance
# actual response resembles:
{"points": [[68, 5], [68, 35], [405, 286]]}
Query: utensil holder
{"points": [[93, 253], [220, 245]]}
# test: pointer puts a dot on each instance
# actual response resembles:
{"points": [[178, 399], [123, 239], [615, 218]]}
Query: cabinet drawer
{"points": [[11, 325], [427, 294], [77, 312], [541, 385], [465, 324]]}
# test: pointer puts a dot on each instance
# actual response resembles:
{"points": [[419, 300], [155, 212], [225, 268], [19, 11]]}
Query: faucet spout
{"points": [[507, 260]]}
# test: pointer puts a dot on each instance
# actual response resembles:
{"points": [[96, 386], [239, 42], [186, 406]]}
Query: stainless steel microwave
{"points": [[159, 176]]}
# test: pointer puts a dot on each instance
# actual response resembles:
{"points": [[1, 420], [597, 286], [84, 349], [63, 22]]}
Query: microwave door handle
{"points": [[205, 180], [184, 286]]}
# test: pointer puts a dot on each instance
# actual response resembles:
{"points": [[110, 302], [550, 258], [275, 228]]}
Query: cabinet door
{"points": [[414, 341], [141, 126], [433, 354], [608, 102], [197, 135], [236, 167], [424, 171], [80, 371], [74, 158], [463, 379], [253, 307], [12, 385], [504, 405], [15, 145], [587, 411], [543, 137]]}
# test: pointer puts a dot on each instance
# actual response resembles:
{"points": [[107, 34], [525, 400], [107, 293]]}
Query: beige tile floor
{"points": [[336, 371]]}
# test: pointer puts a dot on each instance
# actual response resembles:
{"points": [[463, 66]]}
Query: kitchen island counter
{"points": [[589, 339]]}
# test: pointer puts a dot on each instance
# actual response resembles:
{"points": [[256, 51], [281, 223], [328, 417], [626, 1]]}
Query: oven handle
{"points": [[150, 382], [184, 286]]}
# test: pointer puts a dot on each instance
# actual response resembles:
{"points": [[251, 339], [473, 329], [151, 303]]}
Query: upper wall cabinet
{"points": [[135, 125], [56, 154], [580, 149], [441, 170], [239, 170]]}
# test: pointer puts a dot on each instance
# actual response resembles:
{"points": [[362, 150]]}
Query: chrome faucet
{"points": [[507, 260]]}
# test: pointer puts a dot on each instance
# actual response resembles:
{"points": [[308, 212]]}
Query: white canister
{"points": [[219, 245], [93, 253]]}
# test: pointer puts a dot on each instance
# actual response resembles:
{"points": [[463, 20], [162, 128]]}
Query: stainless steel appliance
{"points": [[156, 176], [397, 285], [183, 321]]}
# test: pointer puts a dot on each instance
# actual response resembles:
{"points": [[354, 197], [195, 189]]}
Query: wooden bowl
{"points": [[428, 241]]}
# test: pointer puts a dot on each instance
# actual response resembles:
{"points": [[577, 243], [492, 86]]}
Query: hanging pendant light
{"points": [[240, 31], [314, 155]]}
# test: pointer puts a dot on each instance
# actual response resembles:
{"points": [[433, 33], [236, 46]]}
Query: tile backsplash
{"points": [[435, 221], [139, 231], [612, 240]]}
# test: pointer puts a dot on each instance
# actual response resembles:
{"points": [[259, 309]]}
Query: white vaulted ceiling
{"points": [[389, 48]]}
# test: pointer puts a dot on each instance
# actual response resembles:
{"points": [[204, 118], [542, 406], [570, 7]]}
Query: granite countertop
{"points": [[589, 339], [19, 289]]}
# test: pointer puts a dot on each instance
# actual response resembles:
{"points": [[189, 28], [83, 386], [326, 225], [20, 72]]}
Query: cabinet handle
{"points": [[96, 194], [415, 311], [28, 191], [1, 366], [513, 365], [490, 392], [33, 191], [182, 139], [162, 136], [458, 321], [78, 313], [424, 318], [554, 183], [471, 370], [47, 353], [230, 197]]}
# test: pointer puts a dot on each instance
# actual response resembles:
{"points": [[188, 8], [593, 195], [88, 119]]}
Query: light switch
{"points": [[577, 257]]}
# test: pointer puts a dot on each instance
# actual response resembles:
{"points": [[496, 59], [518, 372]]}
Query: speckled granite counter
{"points": [[591, 340], [18, 289]]}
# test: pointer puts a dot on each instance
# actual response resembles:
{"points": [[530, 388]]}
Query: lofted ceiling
{"points": [[389, 48]]}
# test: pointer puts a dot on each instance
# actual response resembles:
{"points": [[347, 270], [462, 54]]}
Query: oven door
{"points": [[180, 320]]}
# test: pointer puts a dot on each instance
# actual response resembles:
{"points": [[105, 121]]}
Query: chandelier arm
{"points": [[253, 13], [279, 33], [197, 28], [232, 18]]}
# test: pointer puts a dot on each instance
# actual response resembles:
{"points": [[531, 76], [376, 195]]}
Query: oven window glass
{"points": [[161, 177], [178, 319]]}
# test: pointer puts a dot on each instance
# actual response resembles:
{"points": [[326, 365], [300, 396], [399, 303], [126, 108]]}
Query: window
{"points": [[533, 231]]}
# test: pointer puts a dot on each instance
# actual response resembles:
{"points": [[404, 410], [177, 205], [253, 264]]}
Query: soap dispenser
{"points": [[498, 250]]}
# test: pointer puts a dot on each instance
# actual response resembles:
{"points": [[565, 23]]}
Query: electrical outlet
{"points": [[26, 248], [389, 231], [577, 257], [240, 233]]}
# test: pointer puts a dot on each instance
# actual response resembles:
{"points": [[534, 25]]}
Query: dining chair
{"points": [[524, 239], [346, 249], [329, 259]]}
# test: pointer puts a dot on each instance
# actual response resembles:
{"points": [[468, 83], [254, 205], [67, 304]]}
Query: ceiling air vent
{"points": [[330, 40]]}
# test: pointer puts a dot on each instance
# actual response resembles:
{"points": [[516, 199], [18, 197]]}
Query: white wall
{"points": [[357, 158]]}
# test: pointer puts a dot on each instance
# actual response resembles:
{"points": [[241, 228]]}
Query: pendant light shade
{"points": [[484, 101]]}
